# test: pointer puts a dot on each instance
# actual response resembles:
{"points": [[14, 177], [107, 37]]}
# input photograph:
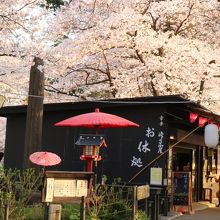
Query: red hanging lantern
{"points": [[202, 121], [193, 117]]}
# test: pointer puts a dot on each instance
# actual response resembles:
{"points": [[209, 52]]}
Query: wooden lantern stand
{"points": [[91, 144]]}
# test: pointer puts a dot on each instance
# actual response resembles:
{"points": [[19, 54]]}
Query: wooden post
{"points": [[146, 207], [46, 211], [82, 209], [34, 119], [6, 213], [134, 206]]}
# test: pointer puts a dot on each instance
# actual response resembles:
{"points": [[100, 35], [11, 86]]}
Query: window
{"points": [[89, 150]]}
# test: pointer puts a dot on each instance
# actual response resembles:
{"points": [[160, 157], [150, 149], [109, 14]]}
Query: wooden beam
{"points": [[34, 119]]}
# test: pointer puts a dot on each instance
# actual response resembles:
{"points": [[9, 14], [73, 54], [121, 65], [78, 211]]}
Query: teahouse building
{"points": [[163, 120]]}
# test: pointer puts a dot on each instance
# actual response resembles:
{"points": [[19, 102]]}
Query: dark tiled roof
{"points": [[174, 100]]}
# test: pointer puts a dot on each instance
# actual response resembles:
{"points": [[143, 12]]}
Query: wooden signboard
{"points": [[143, 192], [65, 187], [182, 190]]}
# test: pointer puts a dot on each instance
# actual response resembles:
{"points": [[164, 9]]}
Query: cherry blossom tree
{"points": [[96, 49]]}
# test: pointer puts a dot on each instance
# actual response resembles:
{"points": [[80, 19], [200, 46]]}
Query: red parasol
{"points": [[44, 158], [97, 120]]}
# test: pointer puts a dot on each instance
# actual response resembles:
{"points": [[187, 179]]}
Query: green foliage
{"points": [[96, 201], [54, 4], [16, 188], [142, 216], [59, 41], [117, 211], [35, 212], [105, 202], [71, 212], [110, 202]]}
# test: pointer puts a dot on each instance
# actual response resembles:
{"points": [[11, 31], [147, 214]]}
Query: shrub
{"points": [[71, 212], [16, 188], [35, 212], [110, 202], [142, 216]]}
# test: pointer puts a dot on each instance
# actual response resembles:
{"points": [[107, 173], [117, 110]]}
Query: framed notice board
{"points": [[65, 186], [182, 190]]}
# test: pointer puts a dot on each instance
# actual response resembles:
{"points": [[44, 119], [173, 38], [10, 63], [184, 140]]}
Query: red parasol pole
{"points": [[97, 127]]}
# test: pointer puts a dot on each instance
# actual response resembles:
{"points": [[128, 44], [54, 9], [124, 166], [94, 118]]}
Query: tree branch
{"points": [[133, 46], [30, 3], [93, 8], [144, 10], [201, 88], [154, 21], [154, 90], [139, 56], [97, 82], [178, 30], [95, 69], [107, 68], [7, 55], [55, 90], [12, 20]]}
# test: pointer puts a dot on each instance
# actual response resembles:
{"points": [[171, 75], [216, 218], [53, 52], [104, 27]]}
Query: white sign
{"points": [[65, 188], [49, 190], [81, 188], [156, 176]]}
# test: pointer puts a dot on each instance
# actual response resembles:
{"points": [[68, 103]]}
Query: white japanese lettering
{"points": [[150, 132], [160, 142], [143, 147], [136, 162]]}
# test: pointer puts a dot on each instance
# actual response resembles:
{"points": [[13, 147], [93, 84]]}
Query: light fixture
{"points": [[211, 135], [172, 137], [172, 134], [91, 144]]}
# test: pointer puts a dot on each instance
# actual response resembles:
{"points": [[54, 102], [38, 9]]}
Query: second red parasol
{"points": [[45, 158]]}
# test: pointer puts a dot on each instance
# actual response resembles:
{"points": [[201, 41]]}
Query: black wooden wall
{"points": [[128, 151]]}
